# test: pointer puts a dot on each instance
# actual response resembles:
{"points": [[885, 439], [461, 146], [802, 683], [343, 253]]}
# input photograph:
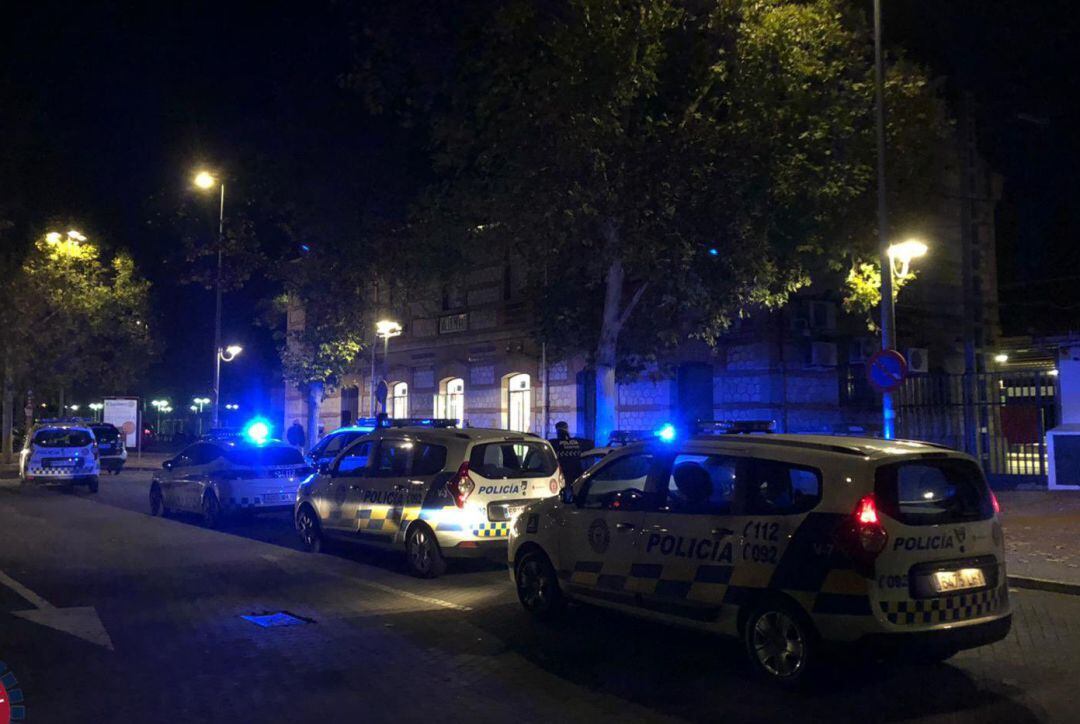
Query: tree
{"points": [[75, 319], [671, 164]]}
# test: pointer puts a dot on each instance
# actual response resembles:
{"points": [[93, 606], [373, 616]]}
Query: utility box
{"points": [[1063, 442]]}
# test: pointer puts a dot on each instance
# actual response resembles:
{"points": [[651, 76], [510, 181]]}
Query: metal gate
{"points": [[1000, 418]]}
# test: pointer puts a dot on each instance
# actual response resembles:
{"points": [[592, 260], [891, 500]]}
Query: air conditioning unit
{"points": [[822, 354], [918, 360], [822, 315], [862, 349]]}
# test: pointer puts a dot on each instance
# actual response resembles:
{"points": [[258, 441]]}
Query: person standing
{"points": [[295, 435], [568, 450]]}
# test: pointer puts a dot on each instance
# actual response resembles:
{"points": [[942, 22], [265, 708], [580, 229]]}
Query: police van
{"points": [[790, 542], [428, 488]]}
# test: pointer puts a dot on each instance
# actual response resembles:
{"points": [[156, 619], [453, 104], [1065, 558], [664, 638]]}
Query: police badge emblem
{"points": [[599, 535]]}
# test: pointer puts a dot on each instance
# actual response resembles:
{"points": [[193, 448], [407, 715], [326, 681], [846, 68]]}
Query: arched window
{"points": [[519, 402], [399, 400], [450, 402]]}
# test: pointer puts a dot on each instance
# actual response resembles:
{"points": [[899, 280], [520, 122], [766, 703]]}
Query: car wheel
{"points": [[780, 641], [538, 586], [422, 553], [157, 502], [211, 511], [92, 484], [307, 525]]}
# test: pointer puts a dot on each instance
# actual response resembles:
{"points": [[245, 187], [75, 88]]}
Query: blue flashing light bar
{"points": [[257, 431], [734, 427], [667, 432]]}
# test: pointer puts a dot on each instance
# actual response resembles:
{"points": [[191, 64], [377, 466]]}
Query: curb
{"points": [[1043, 584]]}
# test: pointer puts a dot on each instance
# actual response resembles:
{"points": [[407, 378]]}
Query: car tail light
{"points": [[461, 485], [994, 502], [871, 534]]}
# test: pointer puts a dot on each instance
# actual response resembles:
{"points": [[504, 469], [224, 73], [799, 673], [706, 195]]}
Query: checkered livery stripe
{"points": [[947, 608], [69, 472], [842, 592], [492, 530], [390, 519]]}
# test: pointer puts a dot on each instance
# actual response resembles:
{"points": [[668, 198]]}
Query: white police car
{"points": [[790, 542], [60, 451], [428, 488], [216, 477], [330, 445]]}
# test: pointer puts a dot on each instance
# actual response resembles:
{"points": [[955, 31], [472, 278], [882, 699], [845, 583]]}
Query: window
{"points": [[62, 437], [106, 433], [777, 488], [355, 459], [702, 484], [618, 484], [428, 459], [392, 460], [399, 400], [519, 402], [252, 456], [450, 402], [933, 492], [496, 461]]}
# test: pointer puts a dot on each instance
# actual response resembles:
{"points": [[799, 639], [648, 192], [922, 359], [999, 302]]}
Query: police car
{"points": [[60, 451], [111, 446], [327, 448], [790, 542], [217, 477], [428, 488]]}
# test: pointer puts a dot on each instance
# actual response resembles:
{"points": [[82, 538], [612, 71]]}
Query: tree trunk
{"points": [[8, 398], [606, 392], [314, 405]]}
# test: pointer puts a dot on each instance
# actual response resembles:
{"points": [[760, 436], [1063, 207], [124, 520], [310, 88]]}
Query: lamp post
{"points": [[384, 328], [223, 355], [160, 406], [198, 408], [97, 407], [206, 181]]}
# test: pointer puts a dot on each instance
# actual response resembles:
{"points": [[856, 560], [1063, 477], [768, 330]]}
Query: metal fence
{"points": [[1000, 418]]}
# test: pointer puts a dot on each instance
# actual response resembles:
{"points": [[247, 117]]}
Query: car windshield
{"points": [[252, 456], [61, 437], [524, 459], [106, 434]]}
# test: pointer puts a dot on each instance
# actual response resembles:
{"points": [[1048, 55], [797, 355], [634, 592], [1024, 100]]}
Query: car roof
{"points": [[473, 434], [866, 447], [246, 444]]}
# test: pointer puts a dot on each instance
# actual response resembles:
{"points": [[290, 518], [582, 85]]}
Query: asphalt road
{"points": [[110, 615]]}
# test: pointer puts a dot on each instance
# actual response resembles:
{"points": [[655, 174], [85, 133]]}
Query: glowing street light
{"points": [[1001, 358], [223, 355], [902, 254], [205, 180], [385, 329]]}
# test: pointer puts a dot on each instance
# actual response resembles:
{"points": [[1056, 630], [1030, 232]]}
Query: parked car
{"points": [[432, 491], [790, 542], [216, 478], [331, 444], [111, 448], [60, 451]]}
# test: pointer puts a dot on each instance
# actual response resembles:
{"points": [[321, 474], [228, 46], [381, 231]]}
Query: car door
{"points": [[601, 529], [192, 482], [380, 497], [172, 479], [691, 541], [347, 473]]}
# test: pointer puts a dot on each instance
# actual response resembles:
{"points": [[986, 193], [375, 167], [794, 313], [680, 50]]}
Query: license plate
{"points": [[963, 579], [60, 464]]}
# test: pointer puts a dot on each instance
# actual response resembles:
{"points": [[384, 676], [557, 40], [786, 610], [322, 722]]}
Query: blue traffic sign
{"points": [[886, 370]]}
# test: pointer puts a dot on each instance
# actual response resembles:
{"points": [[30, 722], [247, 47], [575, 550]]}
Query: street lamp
{"points": [[97, 407], [206, 181], [384, 328], [223, 355], [160, 406], [902, 254]]}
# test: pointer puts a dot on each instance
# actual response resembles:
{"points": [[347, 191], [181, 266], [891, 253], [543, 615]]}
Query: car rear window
{"points": [[264, 456], [932, 492], [106, 434], [525, 459], [61, 437]]}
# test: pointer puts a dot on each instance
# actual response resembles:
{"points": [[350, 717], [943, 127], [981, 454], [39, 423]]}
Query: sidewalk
{"points": [[1042, 535], [149, 462]]}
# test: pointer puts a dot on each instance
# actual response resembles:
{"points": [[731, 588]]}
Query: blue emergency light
{"points": [[667, 432], [257, 431]]}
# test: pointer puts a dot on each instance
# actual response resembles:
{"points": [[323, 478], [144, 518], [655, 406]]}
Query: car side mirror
{"points": [[324, 469], [567, 494], [168, 465]]}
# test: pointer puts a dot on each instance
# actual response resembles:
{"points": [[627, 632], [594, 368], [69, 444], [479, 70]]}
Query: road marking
{"points": [[80, 621], [385, 589]]}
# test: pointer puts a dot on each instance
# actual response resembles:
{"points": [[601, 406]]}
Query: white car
{"points": [[433, 491], [111, 447], [218, 477], [790, 542], [60, 452]]}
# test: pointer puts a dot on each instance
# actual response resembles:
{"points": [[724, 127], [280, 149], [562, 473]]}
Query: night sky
{"points": [[128, 97]]}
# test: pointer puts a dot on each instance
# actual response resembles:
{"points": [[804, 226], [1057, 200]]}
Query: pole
{"points": [[371, 387], [544, 383], [888, 313], [217, 308]]}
